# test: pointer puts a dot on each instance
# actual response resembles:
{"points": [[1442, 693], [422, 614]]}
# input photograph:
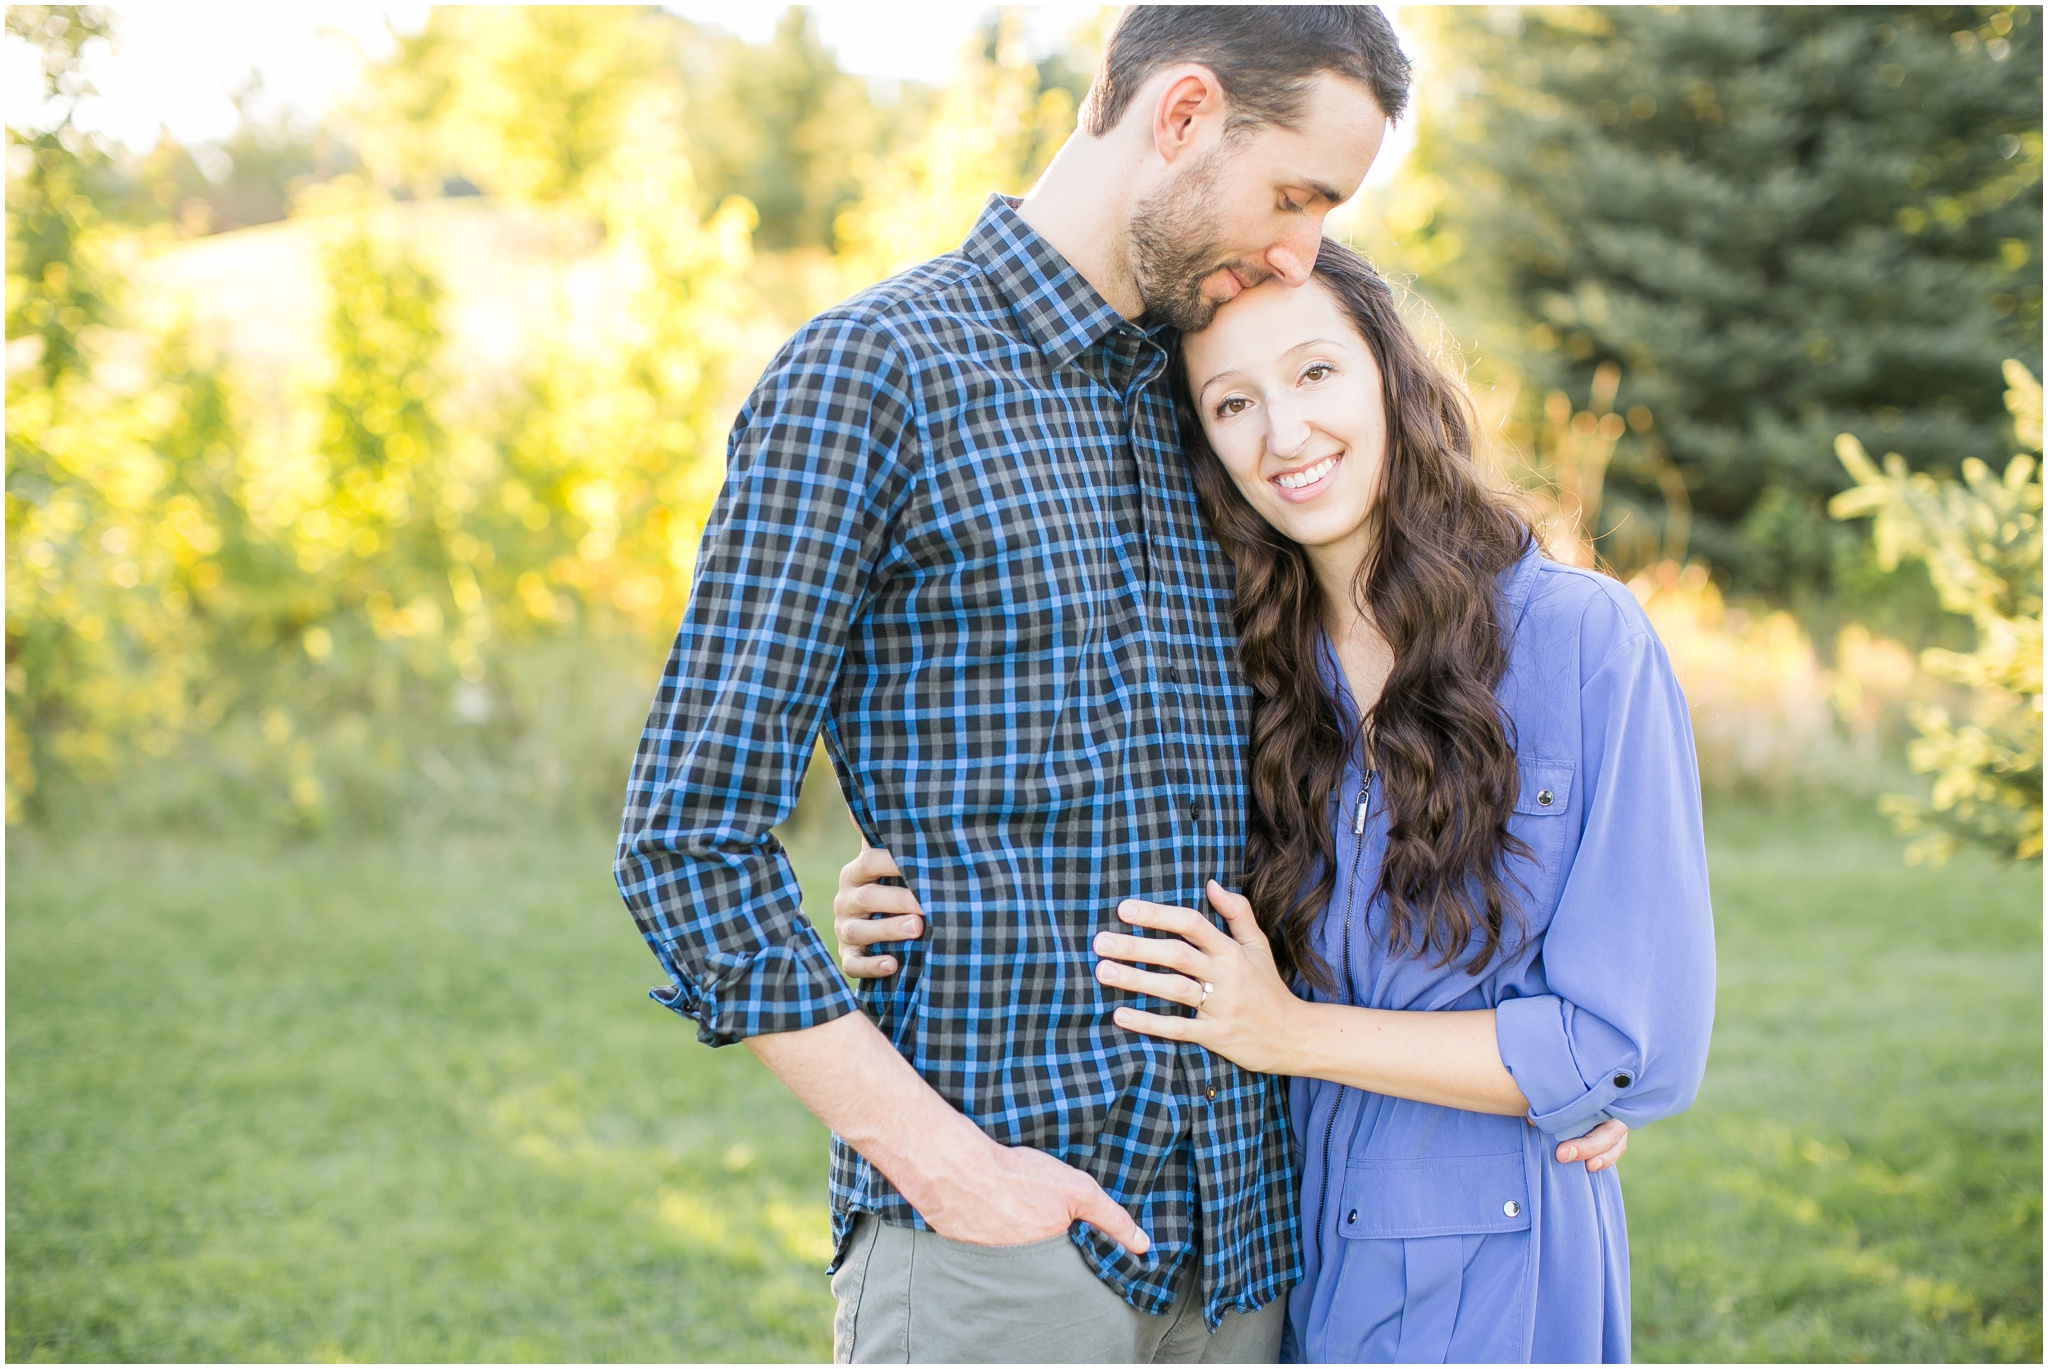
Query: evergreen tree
{"points": [[1781, 223]]}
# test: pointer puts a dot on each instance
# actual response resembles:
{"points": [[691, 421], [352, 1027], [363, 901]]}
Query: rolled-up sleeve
{"points": [[817, 468], [1628, 957]]}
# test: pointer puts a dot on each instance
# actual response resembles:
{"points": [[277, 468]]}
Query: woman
{"points": [[1475, 879]]}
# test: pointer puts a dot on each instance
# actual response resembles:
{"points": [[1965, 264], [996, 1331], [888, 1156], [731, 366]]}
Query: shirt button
{"points": [[1351, 1218], [1210, 1093], [1173, 674], [1543, 799], [1511, 1208], [1622, 1081], [1195, 811]]}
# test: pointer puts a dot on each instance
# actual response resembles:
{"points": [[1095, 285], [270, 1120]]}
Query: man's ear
{"points": [[1191, 99]]}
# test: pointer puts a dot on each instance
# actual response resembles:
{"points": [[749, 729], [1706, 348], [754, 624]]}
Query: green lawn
{"points": [[404, 1101]]}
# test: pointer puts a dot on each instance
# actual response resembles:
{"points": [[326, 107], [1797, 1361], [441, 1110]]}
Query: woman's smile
{"points": [[1298, 486]]}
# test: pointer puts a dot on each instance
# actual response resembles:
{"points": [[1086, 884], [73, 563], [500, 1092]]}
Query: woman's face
{"points": [[1289, 395]]}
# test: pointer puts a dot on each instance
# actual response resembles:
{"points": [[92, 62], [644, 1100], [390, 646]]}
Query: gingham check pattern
{"points": [[957, 533]]}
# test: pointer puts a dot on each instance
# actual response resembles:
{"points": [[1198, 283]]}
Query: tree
{"points": [[995, 127], [1981, 540], [1780, 223], [780, 125]]}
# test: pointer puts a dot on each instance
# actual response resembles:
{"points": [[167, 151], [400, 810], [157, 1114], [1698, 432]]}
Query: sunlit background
{"points": [[368, 372]]}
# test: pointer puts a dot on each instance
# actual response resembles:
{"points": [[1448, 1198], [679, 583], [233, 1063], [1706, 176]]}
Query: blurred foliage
{"points": [[1981, 540], [781, 125], [54, 287], [386, 583], [392, 609], [1778, 222], [523, 101], [994, 129], [528, 102]]}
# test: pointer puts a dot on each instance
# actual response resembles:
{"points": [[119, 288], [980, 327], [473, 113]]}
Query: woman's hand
{"points": [[1601, 1148], [1250, 1016], [865, 913], [1245, 1011]]}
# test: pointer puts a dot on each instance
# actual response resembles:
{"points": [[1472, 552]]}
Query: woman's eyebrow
{"points": [[1203, 388]]}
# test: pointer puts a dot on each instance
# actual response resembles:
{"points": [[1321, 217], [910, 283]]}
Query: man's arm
{"points": [[966, 1185]]}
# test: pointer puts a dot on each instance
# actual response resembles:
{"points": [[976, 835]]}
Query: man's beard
{"points": [[1174, 248]]}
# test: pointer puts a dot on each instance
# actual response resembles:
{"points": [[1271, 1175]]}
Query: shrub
{"points": [[1981, 540]]}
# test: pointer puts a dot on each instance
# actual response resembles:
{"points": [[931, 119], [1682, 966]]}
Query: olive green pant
{"points": [[915, 1297]]}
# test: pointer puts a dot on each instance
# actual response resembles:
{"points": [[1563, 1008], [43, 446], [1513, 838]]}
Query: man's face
{"points": [[1252, 206]]}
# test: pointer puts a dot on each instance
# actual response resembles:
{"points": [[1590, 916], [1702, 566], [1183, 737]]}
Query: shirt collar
{"points": [[1059, 310], [1518, 581]]}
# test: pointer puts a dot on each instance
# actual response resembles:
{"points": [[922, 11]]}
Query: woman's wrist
{"points": [[1298, 1037]]}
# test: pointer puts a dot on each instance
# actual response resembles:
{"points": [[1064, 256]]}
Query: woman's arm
{"points": [[1249, 1015], [1448, 1058]]}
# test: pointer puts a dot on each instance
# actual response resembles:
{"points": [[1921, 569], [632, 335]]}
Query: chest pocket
{"points": [[1544, 819]]}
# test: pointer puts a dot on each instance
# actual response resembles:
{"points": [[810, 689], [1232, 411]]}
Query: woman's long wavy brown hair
{"points": [[1437, 735]]}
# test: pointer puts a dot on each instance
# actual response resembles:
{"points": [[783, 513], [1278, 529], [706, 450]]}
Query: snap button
{"points": [[1351, 1219], [1511, 1208], [1621, 1081], [1543, 798], [1210, 1093]]}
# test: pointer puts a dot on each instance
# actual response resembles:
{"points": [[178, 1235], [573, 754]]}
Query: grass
{"points": [[405, 1102], [1861, 1176]]}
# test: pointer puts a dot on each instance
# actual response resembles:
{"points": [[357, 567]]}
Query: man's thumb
{"points": [[1107, 1216]]}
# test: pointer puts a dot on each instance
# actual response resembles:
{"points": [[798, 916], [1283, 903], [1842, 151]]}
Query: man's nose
{"points": [[1292, 260]]}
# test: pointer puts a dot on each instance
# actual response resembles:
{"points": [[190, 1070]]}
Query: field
{"points": [[405, 1101]]}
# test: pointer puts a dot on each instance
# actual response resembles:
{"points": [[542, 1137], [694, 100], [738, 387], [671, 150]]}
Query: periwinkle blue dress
{"points": [[1433, 1234]]}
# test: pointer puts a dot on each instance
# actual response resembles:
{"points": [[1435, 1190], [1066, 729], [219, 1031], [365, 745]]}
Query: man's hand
{"points": [[966, 1185], [1023, 1195]]}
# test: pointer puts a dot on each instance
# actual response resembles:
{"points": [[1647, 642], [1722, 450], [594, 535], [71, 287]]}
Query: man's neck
{"points": [[1082, 207]]}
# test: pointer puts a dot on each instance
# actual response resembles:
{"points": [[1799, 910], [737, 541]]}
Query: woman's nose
{"points": [[1286, 433]]}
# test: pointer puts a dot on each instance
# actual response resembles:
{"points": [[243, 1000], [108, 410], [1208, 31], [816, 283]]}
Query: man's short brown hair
{"points": [[1265, 57]]}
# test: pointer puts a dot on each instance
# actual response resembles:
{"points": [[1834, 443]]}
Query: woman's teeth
{"points": [[1308, 475]]}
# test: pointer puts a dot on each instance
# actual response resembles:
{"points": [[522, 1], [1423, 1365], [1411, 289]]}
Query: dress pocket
{"points": [[1461, 1195]]}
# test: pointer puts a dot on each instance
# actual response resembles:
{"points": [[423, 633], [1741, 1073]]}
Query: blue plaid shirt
{"points": [[957, 534]]}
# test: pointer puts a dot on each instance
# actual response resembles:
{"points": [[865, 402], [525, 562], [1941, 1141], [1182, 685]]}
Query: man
{"points": [[957, 534]]}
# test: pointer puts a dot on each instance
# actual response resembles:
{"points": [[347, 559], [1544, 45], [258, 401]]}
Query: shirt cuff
{"points": [[1541, 1042], [782, 988]]}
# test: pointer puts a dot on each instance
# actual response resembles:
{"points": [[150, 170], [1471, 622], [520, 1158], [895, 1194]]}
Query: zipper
{"points": [[1350, 895]]}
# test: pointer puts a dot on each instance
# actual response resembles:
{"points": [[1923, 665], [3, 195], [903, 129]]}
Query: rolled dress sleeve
{"points": [[1628, 957], [815, 471]]}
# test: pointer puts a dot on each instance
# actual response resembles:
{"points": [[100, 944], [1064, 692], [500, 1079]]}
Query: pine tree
{"points": [[1781, 223]]}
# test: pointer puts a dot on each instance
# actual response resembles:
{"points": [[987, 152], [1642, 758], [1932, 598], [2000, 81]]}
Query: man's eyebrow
{"points": [[1328, 192]]}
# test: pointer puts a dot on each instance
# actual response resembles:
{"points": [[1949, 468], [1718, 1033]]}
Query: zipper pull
{"points": [[1364, 804]]}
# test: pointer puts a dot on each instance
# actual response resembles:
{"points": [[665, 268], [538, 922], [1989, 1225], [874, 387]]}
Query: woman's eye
{"points": [[1319, 371], [1232, 406]]}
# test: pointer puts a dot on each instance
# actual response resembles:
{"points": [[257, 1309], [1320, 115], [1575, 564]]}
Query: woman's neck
{"points": [[1362, 650]]}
